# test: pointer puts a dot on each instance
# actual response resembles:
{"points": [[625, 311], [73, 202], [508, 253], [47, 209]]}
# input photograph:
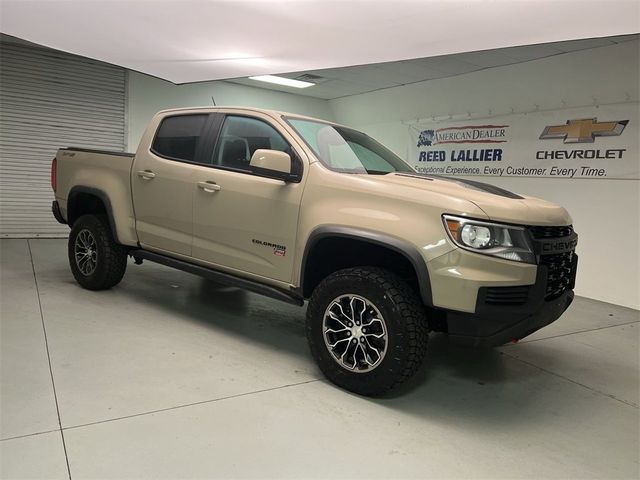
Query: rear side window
{"points": [[240, 137], [178, 137]]}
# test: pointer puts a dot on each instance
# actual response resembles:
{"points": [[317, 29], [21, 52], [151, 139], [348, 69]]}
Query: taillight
{"points": [[54, 174]]}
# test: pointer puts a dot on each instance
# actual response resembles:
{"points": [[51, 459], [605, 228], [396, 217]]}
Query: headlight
{"points": [[504, 241]]}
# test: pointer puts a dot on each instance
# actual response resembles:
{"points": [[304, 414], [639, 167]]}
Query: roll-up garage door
{"points": [[48, 100]]}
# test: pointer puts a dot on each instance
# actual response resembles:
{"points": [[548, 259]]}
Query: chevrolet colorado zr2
{"points": [[301, 209]]}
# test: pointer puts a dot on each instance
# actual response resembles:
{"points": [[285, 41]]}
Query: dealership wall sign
{"points": [[593, 142]]}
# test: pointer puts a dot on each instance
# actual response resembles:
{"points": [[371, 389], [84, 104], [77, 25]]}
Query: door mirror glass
{"points": [[271, 163]]}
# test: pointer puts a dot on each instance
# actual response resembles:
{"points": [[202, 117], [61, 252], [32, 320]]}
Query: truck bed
{"points": [[99, 172]]}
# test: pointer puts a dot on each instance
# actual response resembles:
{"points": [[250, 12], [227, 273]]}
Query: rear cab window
{"points": [[178, 137]]}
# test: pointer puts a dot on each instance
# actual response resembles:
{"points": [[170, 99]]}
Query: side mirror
{"points": [[271, 163]]}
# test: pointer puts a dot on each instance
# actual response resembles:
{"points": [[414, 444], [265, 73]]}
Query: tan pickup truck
{"points": [[297, 208]]}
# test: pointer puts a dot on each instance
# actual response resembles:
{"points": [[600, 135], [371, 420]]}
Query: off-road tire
{"points": [[111, 261], [406, 324]]}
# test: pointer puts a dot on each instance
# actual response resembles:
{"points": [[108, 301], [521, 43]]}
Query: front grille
{"points": [[560, 265], [551, 232], [507, 295], [560, 273]]}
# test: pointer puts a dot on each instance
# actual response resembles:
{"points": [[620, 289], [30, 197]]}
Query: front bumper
{"points": [[509, 314]]}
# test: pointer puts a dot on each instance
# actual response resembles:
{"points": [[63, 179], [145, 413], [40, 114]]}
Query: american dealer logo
{"points": [[487, 134], [468, 134]]}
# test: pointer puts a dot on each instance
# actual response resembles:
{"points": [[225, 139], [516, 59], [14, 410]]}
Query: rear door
{"points": [[242, 221], [163, 182]]}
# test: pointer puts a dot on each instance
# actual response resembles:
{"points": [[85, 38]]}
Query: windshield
{"points": [[346, 150]]}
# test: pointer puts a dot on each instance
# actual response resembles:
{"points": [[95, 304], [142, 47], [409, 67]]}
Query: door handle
{"points": [[146, 174], [209, 187]]}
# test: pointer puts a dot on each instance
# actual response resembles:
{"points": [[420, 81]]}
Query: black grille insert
{"points": [[560, 265], [560, 273], [507, 295], [551, 232]]}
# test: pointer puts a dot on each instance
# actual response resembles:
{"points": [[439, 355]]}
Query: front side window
{"points": [[241, 137], [346, 150], [178, 137]]}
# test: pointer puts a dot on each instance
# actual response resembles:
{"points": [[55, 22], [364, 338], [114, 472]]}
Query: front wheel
{"points": [[96, 260], [366, 329]]}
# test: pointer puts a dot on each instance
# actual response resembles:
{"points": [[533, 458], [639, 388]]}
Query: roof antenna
{"points": [[214, 101]]}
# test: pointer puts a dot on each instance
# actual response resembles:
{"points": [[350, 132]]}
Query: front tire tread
{"points": [[411, 312]]}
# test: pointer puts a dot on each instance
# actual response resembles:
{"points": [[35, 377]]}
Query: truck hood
{"points": [[497, 203]]}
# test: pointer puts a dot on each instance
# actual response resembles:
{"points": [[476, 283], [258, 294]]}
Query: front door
{"points": [[163, 184], [242, 221]]}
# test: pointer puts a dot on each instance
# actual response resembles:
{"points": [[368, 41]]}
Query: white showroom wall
{"points": [[606, 213], [146, 95]]}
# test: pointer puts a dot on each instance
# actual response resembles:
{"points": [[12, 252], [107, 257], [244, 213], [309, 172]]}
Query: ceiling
{"points": [[341, 82], [196, 40]]}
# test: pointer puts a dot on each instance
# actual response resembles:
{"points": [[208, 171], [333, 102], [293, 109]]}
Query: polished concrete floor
{"points": [[171, 376]]}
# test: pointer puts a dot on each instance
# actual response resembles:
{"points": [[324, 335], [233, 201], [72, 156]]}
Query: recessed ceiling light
{"points": [[287, 82]]}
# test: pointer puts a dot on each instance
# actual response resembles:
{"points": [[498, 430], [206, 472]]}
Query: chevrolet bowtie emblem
{"points": [[584, 131]]}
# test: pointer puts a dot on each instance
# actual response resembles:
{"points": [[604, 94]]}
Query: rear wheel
{"points": [[96, 260], [366, 329]]}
